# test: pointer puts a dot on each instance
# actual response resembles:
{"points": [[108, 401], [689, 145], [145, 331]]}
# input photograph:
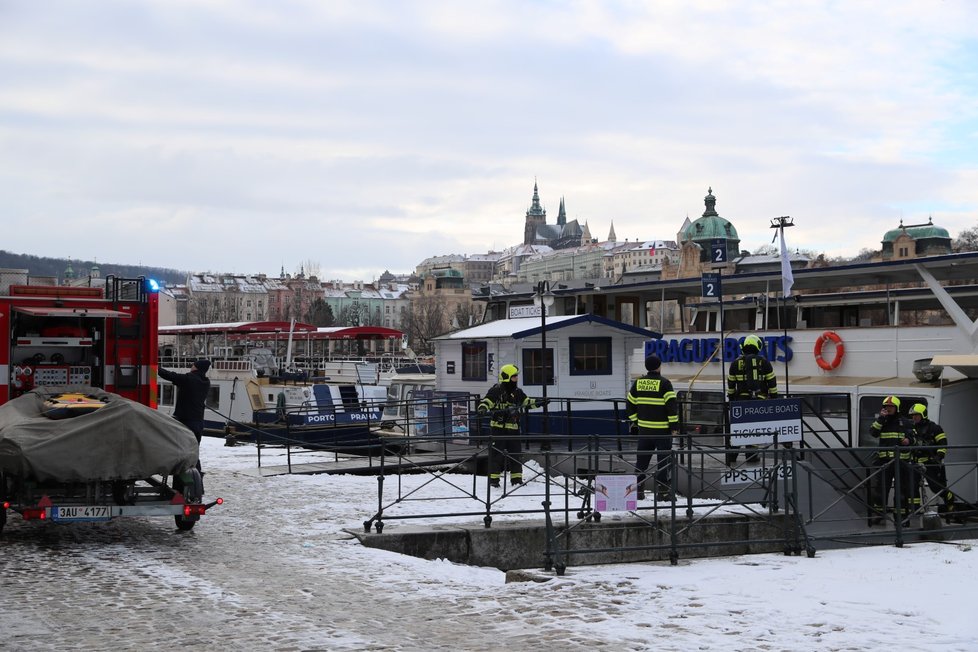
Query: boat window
{"points": [[213, 397], [474, 366], [703, 410], [166, 394], [533, 370], [826, 405], [590, 356]]}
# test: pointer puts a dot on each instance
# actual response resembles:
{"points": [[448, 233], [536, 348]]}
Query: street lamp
{"points": [[544, 299]]}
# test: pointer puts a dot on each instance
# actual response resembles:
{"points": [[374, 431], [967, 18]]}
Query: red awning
{"points": [[340, 333], [273, 327]]}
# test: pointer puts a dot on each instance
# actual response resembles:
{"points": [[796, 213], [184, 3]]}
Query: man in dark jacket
{"points": [[652, 409], [192, 389]]}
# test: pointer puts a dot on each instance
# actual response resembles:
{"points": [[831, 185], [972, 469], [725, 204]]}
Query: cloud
{"points": [[369, 136]]}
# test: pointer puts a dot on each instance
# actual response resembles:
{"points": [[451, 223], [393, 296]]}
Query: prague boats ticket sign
{"points": [[755, 423]]}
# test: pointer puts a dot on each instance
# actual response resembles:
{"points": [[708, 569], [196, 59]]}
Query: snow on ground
{"points": [[918, 597], [274, 569]]}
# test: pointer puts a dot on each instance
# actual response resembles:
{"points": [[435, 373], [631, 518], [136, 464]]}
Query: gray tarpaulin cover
{"points": [[121, 441]]}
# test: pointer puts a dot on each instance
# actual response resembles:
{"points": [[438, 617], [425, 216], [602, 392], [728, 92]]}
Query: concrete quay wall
{"points": [[523, 544]]}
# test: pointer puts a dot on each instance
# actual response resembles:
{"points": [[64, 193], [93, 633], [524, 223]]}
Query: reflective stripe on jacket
{"points": [[929, 433], [751, 376], [891, 431], [652, 405], [499, 399]]}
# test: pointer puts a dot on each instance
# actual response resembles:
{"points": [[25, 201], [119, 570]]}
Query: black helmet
{"points": [[653, 362]]}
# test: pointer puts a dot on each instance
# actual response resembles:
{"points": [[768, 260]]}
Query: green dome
{"points": [[917, 232], [710, 226]]}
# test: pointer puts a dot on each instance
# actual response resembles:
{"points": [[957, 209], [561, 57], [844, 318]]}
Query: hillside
{"points": [[42, 266]]}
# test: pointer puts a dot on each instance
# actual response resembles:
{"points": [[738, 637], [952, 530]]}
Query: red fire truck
{"points": [[96, 344], [62, 335]]}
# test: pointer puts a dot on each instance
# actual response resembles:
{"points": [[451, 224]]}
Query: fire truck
{"points": [[68, 347]]}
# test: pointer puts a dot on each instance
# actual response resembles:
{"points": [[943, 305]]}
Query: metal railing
{"points": [[792, 499]]}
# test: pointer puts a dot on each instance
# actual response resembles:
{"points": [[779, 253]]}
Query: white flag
{"points": [[787, 277]]}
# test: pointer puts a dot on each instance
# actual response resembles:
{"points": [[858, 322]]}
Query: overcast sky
{"points": [[248, 136]]}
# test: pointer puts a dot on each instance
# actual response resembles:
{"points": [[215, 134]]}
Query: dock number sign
{"points": [[718, 251], [754, 423], [711, 286]]}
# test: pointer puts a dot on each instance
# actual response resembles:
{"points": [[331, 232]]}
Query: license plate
{"points": [[80, 513]]}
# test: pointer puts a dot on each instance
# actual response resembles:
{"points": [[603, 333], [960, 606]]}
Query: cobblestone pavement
{"points": [[263, 572]]}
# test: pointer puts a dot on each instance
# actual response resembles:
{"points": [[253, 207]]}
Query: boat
{"points": [[838, 350], [259, 395]]}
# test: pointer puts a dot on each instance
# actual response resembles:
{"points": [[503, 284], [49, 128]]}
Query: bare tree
{"points": [[309, 268], [210, 308], [967, 240], [467, 314], [427, 318]]}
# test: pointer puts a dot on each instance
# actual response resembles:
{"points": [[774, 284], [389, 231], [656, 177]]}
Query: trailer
{"points": [[81, 439]]}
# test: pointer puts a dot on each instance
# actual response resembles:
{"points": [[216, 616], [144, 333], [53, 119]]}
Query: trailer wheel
{"points": [[192, 486]]}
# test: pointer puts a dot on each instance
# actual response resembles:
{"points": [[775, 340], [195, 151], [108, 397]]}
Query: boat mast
{"points": [[288, 347]]}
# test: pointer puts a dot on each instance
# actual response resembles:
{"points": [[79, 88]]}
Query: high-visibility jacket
{"points": [[751, 376], [498, 403], [651, 404], [891, 431], [928, 433]]}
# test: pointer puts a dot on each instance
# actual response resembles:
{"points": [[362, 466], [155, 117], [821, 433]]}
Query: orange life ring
{"points": [[840, 350]]}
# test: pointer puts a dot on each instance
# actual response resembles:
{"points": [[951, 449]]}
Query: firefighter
{"points": [[893, 455], [503, 403], [930, 451], [652, 409], [750, 378]]}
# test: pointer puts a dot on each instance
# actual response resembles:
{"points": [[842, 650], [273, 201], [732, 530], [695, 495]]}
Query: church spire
{"points": [[536, 216], [586, 234], [611, 234], [562, 214]]}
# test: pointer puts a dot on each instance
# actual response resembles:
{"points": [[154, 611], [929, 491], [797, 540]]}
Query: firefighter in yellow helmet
{"points": [[930, 451], [750, 378], [893, 456], [504, 403]]}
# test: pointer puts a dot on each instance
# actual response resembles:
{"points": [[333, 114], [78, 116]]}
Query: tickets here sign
{"points": [[754, 423]]}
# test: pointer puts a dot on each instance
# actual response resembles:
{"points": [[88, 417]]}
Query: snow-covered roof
{"points": [[526, 326]]}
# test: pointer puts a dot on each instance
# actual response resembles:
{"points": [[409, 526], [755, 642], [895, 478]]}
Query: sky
{"points": [[347, 138], [274, 568]]}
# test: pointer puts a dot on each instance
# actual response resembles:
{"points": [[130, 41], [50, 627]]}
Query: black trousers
{"points": [[884, 483], [936, 477], [504, 453], [196, 427], [662, 446]]}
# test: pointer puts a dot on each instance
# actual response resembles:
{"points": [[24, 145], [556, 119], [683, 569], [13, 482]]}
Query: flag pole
{"points": [[787, 281]]}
